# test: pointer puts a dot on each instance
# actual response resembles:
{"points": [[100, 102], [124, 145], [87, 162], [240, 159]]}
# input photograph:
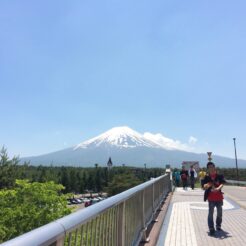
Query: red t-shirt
{"points": [[216, 196]]}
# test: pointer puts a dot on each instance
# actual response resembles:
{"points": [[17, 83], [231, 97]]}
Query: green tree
{"points": [[98, 181], [7, 169], [65, 180], [122, 182], [43, 175], [90, 182], [81, 184], [28, 206], [73, 180]]}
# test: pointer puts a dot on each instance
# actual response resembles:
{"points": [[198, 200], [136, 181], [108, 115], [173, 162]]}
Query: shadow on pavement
{"points": [[221, 234]]}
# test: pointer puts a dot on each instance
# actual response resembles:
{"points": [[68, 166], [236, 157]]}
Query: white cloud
{"points": [[192, 140], [169, 143]]}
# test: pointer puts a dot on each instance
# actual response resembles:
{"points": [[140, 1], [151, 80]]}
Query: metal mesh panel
{"points": [[148, 199], [101, 230], [132, 218]]}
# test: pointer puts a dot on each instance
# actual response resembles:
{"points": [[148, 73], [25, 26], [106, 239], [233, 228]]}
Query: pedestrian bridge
{"points": [[186, 219], [152, 213]]}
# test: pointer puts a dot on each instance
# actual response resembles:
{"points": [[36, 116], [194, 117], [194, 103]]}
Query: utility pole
{"points": [[145, 171], [234, 139]]}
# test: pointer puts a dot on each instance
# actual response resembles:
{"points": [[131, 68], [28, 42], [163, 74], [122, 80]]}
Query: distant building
{"points": [[110, 163], [188, 164]]}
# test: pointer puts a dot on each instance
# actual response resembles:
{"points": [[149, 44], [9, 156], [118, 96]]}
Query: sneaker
{"points": [[218, 228], [211, 232]]}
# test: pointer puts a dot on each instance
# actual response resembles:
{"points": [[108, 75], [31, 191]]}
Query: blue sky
{"points": [[70, 70]]}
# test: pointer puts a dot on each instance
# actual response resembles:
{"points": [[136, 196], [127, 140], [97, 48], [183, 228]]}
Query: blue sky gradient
{"points": [[70, 70]]}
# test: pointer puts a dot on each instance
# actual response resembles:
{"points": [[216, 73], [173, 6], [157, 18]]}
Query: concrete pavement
{"points": [[186, 219]]}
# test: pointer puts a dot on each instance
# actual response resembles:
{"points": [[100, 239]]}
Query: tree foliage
{"points": [[31, 196], [28, 206], [122, 182], [7, 169]]}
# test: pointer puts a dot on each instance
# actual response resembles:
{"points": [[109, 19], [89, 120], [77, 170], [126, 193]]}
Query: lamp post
{"points": [[234, 139], [145, 170]]}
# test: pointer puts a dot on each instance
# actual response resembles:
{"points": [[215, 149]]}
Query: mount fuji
{"points": [[128, 147], [119, 137]]}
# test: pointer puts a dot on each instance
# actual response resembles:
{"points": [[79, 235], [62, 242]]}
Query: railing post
{"points": [[121, 225]]}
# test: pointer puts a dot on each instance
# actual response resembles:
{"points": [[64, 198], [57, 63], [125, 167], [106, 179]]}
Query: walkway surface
{"points": [[186, 219]]}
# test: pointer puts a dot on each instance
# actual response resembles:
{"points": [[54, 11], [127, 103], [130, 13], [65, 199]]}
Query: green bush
{"points": [[28, 206]]}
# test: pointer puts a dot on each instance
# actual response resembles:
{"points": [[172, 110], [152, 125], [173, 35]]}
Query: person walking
{"points": [[202, 175], [213, 183], [177, 177], [184, 177], [192, 175]]}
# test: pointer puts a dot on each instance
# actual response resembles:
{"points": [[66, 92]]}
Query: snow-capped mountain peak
{"points": [[121, 137], [127, 147]]}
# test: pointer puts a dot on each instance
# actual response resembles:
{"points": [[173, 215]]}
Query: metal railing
{"points": [[236, 182], [120, 220]]}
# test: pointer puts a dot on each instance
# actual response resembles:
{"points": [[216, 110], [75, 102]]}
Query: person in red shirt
{"points": [[184, 177], [213, 183]]}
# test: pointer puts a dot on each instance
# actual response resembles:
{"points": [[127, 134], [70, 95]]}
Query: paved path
{"points": [[186, 219], [237, 194]]}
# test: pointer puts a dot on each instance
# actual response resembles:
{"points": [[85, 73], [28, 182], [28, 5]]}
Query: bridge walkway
{"points": [[185, 222]]}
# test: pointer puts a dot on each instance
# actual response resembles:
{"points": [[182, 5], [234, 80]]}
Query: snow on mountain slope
{"points": [[121, 137]]}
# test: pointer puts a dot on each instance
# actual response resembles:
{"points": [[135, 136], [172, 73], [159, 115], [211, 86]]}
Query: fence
{"points": [[236, 182], [120, 220]]}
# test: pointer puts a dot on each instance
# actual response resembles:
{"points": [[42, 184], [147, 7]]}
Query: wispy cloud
{"points": [[192, 140], [171, 144]]}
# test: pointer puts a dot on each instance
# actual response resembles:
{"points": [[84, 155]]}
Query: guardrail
{"points": [[120, 220], [236, 182]]}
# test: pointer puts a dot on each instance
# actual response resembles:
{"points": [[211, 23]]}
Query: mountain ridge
{"points": [[128, 147]]}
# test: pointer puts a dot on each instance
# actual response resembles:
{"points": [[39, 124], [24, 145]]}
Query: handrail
{"points": [[235, 182], [119, 220]]}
